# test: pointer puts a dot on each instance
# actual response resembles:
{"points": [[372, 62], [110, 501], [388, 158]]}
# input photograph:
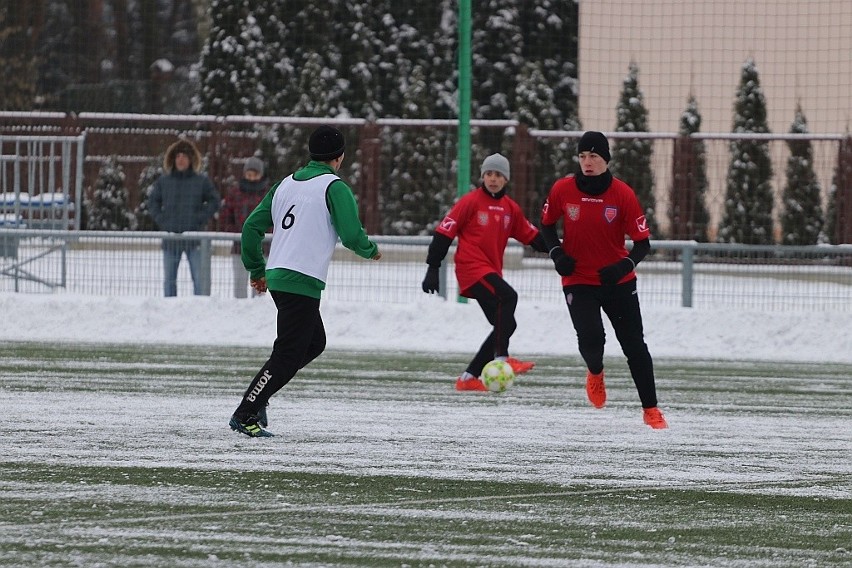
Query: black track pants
{"points": [[498, 301], [301, 338], [621, 305]]}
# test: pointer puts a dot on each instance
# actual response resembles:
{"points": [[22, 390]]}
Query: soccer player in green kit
{"points": [[308, 211]]}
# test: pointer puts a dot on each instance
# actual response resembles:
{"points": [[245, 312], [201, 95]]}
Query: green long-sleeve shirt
{"points": [[344, 217]]}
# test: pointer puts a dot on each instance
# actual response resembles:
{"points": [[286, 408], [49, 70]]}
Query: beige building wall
{"points": [[802, 50]]}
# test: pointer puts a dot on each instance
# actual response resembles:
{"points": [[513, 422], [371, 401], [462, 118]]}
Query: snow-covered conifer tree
{"points": [[417, 192], [147, 177], [233, 60], [631, 158], [689, 216], [107, 203], [802, 219], [748, 201], [839, 194]]}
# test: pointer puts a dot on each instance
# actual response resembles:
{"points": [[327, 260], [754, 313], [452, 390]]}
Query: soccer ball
{"points": [[497, 375]]}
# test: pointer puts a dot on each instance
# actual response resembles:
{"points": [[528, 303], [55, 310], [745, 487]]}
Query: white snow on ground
{"points": [[427, 324]]}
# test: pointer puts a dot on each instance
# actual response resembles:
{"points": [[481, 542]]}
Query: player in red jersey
{"points": [[483, 220], [597, 211]]}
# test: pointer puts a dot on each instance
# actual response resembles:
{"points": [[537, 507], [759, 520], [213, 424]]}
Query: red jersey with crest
{"points": [[594, 226], [483, 225]]}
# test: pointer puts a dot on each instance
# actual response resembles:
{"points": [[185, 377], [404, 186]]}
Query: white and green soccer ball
{"points": [[497, 375]]}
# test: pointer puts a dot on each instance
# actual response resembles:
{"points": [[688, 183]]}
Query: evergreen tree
{"points": [[17, 57], [147, 177], [303, 29], [443, 61], [748, 201], [285, 146], [340, 59], [408, 29], [550, 31], [536, 108], [54, 55], [840, 193], [106, 208], [497, 50], [689, 216], [413, 205], [497, 56], [802, 220], [631, 158], [232, 61], [368, 62]]}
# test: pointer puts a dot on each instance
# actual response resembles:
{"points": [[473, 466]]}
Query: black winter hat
{"points": [[326, 143], [594, 142]]}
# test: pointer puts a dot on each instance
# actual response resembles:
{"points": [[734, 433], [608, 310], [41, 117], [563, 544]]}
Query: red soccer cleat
{"points": [[595, 389], [472, 384], [654, 418], [518, 366]]}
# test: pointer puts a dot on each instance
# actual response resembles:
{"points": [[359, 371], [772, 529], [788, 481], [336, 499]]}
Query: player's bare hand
{"points": [[259, 285], [378, 256]]}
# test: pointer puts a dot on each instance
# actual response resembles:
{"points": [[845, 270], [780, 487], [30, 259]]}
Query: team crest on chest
{"points": [[610, 213], [507, 220], [573, 212], [482, 218]]}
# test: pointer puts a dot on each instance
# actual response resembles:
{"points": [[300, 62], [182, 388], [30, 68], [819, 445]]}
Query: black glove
{"points": [[564, 264], [614, 272], [430, 283]]}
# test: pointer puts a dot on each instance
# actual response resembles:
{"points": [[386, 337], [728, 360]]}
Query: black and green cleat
{"points": [[249, 427]]}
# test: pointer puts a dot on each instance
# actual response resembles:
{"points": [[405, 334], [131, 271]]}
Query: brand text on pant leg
{"points": [[264, 378]]}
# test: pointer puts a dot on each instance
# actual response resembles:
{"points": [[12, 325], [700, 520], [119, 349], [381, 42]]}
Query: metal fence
{"points": [[377, 152], [41, 181], [677, 273]]}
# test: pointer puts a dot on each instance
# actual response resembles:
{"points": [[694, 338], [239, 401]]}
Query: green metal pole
{"points": [[463, 180], [463, 151]]}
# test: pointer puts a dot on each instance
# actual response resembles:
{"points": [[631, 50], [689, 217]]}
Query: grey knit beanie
{"points": [[255, 164], [496, 163]]}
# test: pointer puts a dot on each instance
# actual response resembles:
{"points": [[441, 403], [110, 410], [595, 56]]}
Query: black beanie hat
{"points": [[594, 142], [326, 143]]}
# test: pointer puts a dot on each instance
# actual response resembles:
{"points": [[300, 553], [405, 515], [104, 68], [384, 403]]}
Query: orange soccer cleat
{"points": [[518, 366], [595, 389], [654, 418], [472, 384]]}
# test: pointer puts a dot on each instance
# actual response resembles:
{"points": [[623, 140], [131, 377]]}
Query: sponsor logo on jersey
{"points": [[610, 213], [448, 224], [573, 212], [642, 223], [482, 218]]}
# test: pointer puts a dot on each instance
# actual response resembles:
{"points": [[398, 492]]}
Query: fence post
{"points": [[523, 177], [371, 148], [686, 275], [204, 272]]}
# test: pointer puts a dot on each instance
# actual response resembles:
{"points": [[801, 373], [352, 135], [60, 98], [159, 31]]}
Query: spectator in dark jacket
{"points": [[240, 201], [182, 199]]}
